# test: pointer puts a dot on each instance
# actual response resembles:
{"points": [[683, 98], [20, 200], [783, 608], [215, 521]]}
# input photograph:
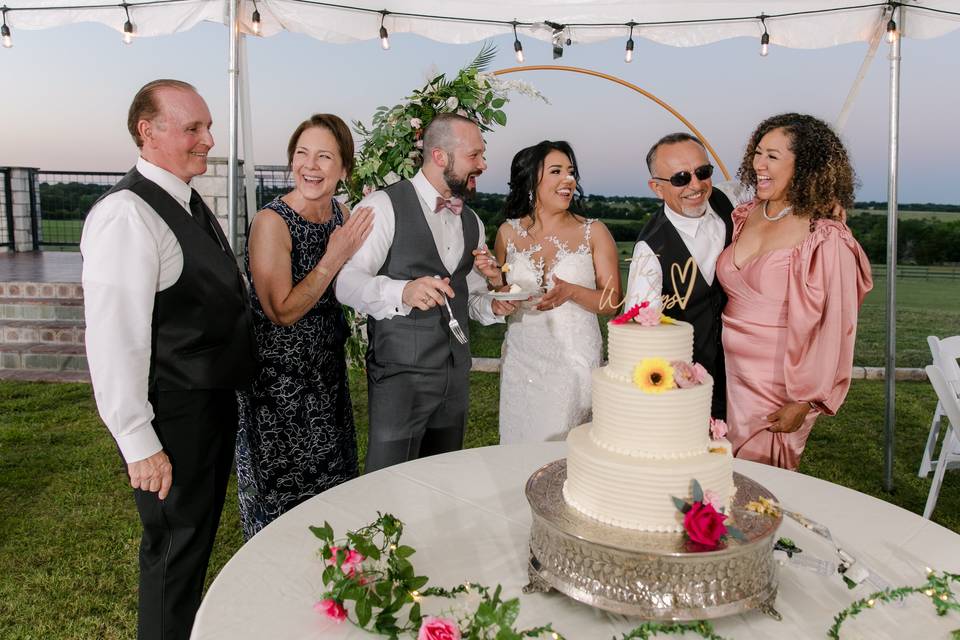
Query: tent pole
{"points": [[890, 373], [234, 105]]}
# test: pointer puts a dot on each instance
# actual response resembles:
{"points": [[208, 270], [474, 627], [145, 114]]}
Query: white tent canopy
{"points": [[804, 24]]}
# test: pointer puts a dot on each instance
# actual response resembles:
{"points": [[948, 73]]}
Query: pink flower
{"points": [[627, 316], [699, 373], [416, 123], [718, 428], [419, 144], [368, 189], [712, 498], [648, 316], [332, 609], [683, 374], [438, 629], [704, 525], [351, 561]]}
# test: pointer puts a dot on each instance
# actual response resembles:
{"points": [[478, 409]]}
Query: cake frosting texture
{"points": [[643, 448]]}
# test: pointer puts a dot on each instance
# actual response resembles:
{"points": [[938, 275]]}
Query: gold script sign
{"points": [[688, 277]]}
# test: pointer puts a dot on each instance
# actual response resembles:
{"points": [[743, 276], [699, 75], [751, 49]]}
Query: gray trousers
{"points": [[416, 414]]}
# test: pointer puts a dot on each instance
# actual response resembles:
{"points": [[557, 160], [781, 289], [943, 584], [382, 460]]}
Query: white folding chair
{"points": [[950, 451], [945, 353]]}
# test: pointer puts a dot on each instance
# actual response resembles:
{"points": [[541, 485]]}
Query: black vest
{"points": [[202, 337], [703, 303], [421, 340]]}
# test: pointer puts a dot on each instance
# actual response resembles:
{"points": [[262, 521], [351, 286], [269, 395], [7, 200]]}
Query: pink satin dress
{"points": [[789, 329]]}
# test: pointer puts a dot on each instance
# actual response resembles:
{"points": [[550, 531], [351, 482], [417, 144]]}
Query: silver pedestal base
{"points": [[650, 575]]}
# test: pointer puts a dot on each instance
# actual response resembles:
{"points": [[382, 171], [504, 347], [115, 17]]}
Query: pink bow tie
{"points": [[455, 205]]}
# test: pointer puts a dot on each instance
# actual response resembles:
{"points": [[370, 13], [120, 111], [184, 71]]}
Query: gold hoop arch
{"points": [[628, 85]]}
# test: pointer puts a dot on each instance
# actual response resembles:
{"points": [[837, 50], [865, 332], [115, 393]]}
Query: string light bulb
{"points": [[517, 47], [628, 52], [255, 20], [5, 32], [384, 35], [765, 38], [891, 30], [127, 26]]}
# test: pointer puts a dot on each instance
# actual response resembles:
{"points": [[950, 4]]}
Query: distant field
{"points": [[66, 231]]}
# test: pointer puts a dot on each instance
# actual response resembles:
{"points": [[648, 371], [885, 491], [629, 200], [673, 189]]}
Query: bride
{"points": [[568, 264]]}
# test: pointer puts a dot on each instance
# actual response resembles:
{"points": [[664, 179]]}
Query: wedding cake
{"points": [[651, 433]]}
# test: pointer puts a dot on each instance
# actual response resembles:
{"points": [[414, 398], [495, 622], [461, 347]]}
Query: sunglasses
{"points": [[683, 178]]}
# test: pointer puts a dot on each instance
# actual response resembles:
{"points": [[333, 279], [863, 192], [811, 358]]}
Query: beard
{"points": [[459, 185]]}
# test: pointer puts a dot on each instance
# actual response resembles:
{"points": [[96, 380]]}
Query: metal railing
{"points": [[61, 203], [272, 180], [6, 214]]}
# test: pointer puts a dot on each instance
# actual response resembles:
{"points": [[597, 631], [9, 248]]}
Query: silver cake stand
{"points": [[649, 575]]}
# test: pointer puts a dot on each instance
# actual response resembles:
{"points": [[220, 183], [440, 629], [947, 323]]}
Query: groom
{"points": [[418, 257], [680, 245]]}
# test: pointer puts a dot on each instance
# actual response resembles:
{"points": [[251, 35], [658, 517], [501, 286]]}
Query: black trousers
{"points": [[198, 433], [416, 414]]}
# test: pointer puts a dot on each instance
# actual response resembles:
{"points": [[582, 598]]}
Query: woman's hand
{"points": [[789, 417], [346, 239], [560, 293], [487, 265]]}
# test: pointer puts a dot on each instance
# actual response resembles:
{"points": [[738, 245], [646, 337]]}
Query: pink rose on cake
{"points": [[718, 428], [433, 628], [705, 526]]}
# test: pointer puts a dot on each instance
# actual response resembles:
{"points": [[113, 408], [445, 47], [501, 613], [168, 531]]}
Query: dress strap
{"points": [[587, 225]]}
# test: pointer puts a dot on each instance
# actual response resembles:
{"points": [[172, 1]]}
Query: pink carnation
{"points": [[332, 609], [712, 498], [699, 372], [438, 629], [718, 428], [684, 375], [648, 316], [627, 316]]}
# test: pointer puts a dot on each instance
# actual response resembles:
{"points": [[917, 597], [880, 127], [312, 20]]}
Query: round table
{"points": [[467, 516]]}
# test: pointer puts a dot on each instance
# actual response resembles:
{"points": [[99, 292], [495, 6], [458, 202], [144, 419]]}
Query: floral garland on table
{"points": [[371, 582], [392, 146]]}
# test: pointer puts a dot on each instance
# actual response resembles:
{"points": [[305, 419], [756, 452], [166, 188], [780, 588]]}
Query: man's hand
{"points": [[152, 474], [487, 265], [503, 307], [789, 417], [426, 292]]}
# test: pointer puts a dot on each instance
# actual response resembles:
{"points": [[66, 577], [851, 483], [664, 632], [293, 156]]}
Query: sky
{"points": [[64, 93]]}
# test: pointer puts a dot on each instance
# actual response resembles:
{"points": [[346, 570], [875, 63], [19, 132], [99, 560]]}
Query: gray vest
{"points": [[422, 339]]}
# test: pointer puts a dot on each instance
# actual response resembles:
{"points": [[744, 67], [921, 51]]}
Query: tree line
{"points": [[920, 241]]}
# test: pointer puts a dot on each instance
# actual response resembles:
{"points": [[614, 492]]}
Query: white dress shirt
{"points": [[129, 254], [704, 238], [381, 297]]}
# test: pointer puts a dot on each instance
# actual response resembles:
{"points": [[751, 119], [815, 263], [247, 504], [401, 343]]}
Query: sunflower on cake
{"points": [[652, 438]]}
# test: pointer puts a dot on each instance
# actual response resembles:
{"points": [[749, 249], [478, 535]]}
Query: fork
{"points": [[454, 325]]}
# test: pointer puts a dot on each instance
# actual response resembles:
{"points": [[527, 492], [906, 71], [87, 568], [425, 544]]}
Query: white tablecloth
{"points": [[468, 518]]}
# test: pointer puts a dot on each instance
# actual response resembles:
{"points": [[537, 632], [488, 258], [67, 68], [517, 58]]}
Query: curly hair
{"points": [[525, 176], [823, 175]]}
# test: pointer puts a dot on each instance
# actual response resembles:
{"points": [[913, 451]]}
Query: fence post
{"points": [[34, 208], [10, 240]]}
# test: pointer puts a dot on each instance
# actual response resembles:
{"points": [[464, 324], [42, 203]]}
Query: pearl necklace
{"points": [[783, 212]]}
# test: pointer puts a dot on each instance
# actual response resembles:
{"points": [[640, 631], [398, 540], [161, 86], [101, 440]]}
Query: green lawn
{"points": [[69, 529]]}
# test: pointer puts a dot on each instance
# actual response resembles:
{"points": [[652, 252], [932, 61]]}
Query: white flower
{"points": [[452, 103], [415, 123], [418, 144], [462, 112], [391, 177]]}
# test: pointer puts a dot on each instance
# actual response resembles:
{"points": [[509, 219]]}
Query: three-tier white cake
{"points": [[643, 448]]}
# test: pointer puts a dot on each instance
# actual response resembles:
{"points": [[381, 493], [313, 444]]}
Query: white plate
{"points": [[506, 295]]}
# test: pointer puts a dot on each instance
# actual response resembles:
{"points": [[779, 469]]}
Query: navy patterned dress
{"points": [[296, 435]]}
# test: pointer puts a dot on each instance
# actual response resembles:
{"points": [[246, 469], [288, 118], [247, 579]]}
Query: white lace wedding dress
{"points": [[547, 356]]}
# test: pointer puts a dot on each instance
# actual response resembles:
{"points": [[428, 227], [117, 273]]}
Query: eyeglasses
{"points": [[683, 178]]}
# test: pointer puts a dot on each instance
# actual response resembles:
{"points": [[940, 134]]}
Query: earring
{"points": [[530, 197]]}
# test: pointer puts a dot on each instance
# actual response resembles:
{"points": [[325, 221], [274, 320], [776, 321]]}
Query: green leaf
{"points": [[484, 58], [404, 551], [498, 103], [329, 574], [697, 491], [324, 533], [500, 118], [364, 611], [417, 582], [415, 615], [681, 505], [509, 611], [736, 533], [383, 588]]}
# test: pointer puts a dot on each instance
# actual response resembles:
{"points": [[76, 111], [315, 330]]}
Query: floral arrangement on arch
{"points": [[391, 147]]}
